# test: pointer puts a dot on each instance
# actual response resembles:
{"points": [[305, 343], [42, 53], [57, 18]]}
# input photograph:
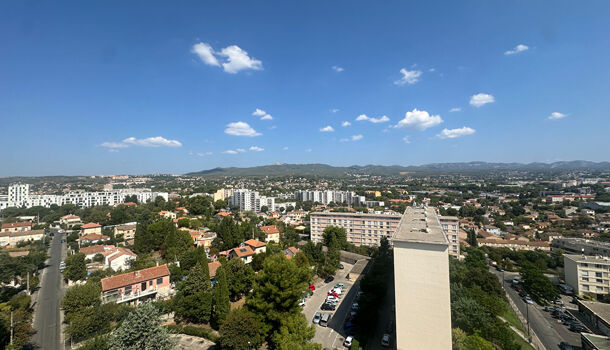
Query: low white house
{"points": [[119, 259]]}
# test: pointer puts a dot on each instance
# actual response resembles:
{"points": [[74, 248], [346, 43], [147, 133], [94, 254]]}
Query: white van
{"points": [[324, 320]]}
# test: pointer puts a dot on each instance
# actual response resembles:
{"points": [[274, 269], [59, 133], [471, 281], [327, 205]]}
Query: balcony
{"points": [[124, 298]]}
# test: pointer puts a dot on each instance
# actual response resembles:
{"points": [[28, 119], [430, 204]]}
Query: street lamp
{"points": [[527, 315]]}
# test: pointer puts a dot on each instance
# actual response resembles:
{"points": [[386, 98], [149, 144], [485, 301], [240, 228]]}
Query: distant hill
{"points": [[325, 169]]}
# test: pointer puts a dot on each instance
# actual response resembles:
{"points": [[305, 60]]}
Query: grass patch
{"points": [[194, 331], [522, 343], [509, 315]]}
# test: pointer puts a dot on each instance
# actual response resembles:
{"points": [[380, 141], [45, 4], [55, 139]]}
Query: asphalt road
{"points": [[47, 321], [549, 330]]}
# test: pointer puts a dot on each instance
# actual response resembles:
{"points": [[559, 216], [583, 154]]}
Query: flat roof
{"points": [[588, 258], [599, 341], [601, 310], [355, 214], [420, 224]]}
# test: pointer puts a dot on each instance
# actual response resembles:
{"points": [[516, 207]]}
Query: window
{"points": [[585, 287], [159, 280], [598, 274], [584, 273]]}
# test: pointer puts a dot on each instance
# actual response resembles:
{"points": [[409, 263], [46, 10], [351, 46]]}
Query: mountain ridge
{"points": [[283, 169]]}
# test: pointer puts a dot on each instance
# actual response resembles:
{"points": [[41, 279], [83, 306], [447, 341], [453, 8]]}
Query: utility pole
{"points": [[28, 283], [527, 313], [12, 326]]}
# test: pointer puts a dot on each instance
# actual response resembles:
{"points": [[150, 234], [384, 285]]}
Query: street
{"points": [[550, 331], [47, 322], [332, 336]]}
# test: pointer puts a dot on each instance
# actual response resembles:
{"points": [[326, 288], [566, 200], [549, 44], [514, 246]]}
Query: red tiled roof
{"points": [[70, 216], [213, 266], [17, 224], [94, 249], [129, 278], [223, 213], [255, 243], [91, 225], [271, 229], [293, 250], [244, 251], [129, 204], [126, 227], [93, 237]]}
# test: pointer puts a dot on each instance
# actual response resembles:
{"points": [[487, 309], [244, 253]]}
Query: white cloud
{"points": [[230, 151], [431, 70], [455, 109], [357, 137], [419, 120], [205, 53], [346, 123], [479, 100], [408, 77], [240, 150], [557, 115], [256, 149], [337, 69], [334, 110], [406, 139], [363, 117], [308, 150], [327, 128], [200, 154], [264, 115], [238, 59], [517, 49], [156, 141], [453, 133], [241, 129], [235, 59]]}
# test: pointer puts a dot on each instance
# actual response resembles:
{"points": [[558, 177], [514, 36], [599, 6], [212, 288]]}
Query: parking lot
{"points": [[332, 336]]}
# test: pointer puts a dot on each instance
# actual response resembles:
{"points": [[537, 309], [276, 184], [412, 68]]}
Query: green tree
{"points": [[81, 296], [336, 233], [221, 302], [535, 282], [240, 278], [278, 290], [142, 329], [241, 330], [193, 302], [76, 268], [295, 332]]}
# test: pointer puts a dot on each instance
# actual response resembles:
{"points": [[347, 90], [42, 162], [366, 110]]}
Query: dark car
{"points": [[577, 328], [329, 279], [499, 269], [550, 308], [341, 266], [327, 306], [51, 234], [522, 294]]}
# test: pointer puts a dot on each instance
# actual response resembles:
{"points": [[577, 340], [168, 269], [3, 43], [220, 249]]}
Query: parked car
{"points": [[528, 300], [348, 341], [332, 294], [302, 303], [355, 306], [385, 340], [312, 287], [577, 328], [549, 308], [499, 269], [336, 290], [522, 294], [341, 266], [519, 289], [558, 301], [339, 285], [328, 306], [329, 279], [317, 317], [332, 299]]}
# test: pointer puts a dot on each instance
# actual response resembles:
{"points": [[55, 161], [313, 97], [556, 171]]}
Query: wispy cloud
{"points": [[480, 99], [235, 58], [357, 137], [364, 117], [230, 151], [156, 141], [327, 128], [256, 149], [454, 133], [241, 129], [337, 69], [406, 139], [200, 154], [346, 123], [308, 150], [408, 77], [455, 109], [517, 49], [334, 110], [419, 120], [556, 116]]}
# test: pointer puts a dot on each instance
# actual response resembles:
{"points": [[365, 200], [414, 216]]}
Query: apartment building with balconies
{"points": [[361, 228], [587, 274]]}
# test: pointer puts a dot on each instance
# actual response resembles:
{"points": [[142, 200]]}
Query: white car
{"points": [[302, 303], [317, 317], [336, 290], [332, 298], [348, 341]]}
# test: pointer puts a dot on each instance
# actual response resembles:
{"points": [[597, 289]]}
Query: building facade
{"points": [[581, 246], [451, 227], [421, 281], [248, 200], [325, 196], [135, 287], [361, 228], [587, 274]]}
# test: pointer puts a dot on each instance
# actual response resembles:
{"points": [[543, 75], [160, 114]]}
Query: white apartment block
{"points": [[587, 274], [19, 196], [326, 196], [421, 282], [361, 228], [451, 228], [248, 200]]}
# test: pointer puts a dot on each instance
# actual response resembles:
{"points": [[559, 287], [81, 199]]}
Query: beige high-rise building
{"points": [[451, 227], [421, 282], [361, 228]]}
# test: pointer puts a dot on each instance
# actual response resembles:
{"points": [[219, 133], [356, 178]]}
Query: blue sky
{"points": [[171, 87]]}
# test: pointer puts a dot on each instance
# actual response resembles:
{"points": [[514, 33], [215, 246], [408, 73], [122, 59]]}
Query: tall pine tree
{"points": [[220, 297], [193, 302]]}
